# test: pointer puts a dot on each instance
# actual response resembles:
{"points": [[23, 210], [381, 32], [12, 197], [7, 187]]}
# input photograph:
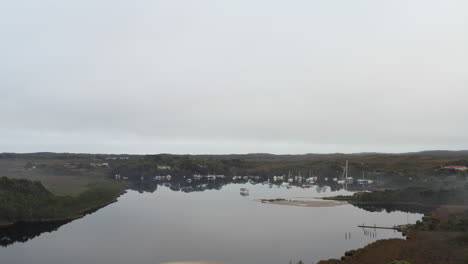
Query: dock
{"points": [[383, 227]]}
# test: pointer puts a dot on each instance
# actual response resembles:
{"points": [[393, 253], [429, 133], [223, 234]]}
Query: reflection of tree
{"points": [[144, 186], [395, 207], [22, 232]]}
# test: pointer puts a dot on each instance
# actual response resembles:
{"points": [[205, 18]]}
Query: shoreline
{"points": [[418, 246], [80, 214]]}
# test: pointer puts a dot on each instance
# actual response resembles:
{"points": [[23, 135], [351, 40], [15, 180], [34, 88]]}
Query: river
{"points": [[212, 225]]}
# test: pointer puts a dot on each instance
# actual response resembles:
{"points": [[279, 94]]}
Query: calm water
{"points": [[213, 225]]}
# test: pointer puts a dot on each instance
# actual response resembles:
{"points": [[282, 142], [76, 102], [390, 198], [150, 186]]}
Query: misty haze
{"points": [[234, 132]]}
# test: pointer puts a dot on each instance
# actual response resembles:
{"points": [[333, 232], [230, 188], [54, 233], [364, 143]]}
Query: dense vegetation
{"points": [[24, 200], [416, 195]]}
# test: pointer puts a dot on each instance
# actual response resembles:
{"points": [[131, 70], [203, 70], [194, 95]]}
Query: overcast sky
{"points": [[233, 76]]}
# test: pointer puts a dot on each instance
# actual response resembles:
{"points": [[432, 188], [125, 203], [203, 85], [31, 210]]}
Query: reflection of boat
{"points": [[244, 191], [187, 189]]}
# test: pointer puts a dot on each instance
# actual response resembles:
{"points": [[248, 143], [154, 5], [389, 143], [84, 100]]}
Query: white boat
{"points": [[310, 180], [285, 184]]}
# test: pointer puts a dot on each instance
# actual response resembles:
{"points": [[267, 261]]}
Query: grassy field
{"points": [[57, 175]]}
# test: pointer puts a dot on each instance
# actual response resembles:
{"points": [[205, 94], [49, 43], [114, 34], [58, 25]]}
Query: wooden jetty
{"points": [[378, 227], [399, 227]]}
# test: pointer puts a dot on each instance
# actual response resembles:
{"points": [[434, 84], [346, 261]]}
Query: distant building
{"points": [[164, 167], [456, 167], [100, 165]]}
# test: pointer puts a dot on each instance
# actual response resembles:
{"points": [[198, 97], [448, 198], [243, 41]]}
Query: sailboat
{"points": [[344, 177], [363, 180], [311, 179]]}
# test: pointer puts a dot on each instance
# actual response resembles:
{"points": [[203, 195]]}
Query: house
{"points": [[164, 167], [100, 165], [456, 167]]}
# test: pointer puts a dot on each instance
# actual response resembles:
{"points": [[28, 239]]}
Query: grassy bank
{"points": [[23, 200]]}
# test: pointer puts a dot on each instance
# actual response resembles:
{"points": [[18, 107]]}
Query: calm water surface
{"points": [[213, 225]]}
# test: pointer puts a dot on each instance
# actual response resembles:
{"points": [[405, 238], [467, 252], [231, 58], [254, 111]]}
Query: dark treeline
{"points": [[416, 195]]}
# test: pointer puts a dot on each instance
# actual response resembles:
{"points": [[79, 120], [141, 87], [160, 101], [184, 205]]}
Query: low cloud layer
{"points": [[244, 76]]}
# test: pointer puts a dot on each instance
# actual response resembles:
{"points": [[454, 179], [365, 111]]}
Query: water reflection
{"points": [[190, 220], [198, 183], [23, 232], [395, 208]]}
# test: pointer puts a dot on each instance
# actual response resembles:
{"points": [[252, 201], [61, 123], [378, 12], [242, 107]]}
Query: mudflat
{"points": [[303, 203]]}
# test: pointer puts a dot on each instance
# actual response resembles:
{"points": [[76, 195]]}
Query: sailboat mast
{"points": [[346, 170]]}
